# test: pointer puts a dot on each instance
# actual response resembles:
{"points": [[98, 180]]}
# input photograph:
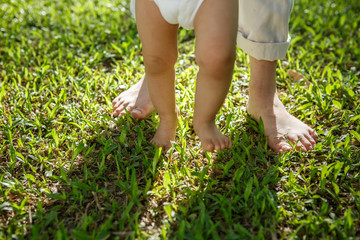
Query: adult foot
{"points": [[281, 127], [211, 137], [135, 100]]}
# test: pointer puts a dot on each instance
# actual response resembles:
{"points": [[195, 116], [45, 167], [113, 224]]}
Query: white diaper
{"points": [[180, 12]]}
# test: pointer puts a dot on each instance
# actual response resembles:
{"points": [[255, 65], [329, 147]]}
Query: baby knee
{"points": [[217, 60], [159, 63]]}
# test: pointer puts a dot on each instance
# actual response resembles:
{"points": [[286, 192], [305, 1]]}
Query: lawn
{"points": [[69, 170]]}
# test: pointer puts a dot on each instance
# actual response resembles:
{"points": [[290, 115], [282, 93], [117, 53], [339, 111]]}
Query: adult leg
{"points": [[263, 34], [159, 42], [215, 31], [279, 125]]}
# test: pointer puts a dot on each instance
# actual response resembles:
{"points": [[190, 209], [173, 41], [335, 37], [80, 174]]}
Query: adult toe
{"points": [[306, 144], [313, 134], [279, 144], [311, 140]]}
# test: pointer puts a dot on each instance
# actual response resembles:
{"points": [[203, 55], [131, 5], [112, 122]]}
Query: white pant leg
{"points": [[264, 28], [132, 8]]}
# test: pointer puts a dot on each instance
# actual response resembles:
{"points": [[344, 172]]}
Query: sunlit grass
{"points": [[68, 170]]}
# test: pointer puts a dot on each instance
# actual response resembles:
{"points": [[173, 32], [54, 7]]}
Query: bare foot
{"points": [[281, 127], [136, 100], [166, 132], [211, 137]]}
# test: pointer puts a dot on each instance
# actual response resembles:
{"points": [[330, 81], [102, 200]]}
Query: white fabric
{"points": [[263, 28], [263, 31], [180, 12]]}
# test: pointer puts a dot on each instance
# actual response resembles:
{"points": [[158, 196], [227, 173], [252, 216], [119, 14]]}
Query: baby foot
{"points": [[165, 133], [136, 100], [281, 127], [211, 137]]}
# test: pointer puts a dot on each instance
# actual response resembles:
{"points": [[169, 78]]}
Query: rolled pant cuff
{"points": [[263, 51]]}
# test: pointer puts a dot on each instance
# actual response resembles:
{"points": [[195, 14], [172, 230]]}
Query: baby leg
{"points": [[159, 42], [215, 31]]}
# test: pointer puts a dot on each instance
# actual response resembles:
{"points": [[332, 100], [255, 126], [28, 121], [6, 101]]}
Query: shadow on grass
{"points": [[108, 191], [237, 199], [103, 191], [248, 192]]}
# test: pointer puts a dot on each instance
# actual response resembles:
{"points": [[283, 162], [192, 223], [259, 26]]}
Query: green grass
{"points": [[68, 170]]}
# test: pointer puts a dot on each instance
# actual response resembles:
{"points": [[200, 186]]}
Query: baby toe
{"points": [[228, 143], [137, 113], [118, 111], [115, 101], [208, 146]]}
